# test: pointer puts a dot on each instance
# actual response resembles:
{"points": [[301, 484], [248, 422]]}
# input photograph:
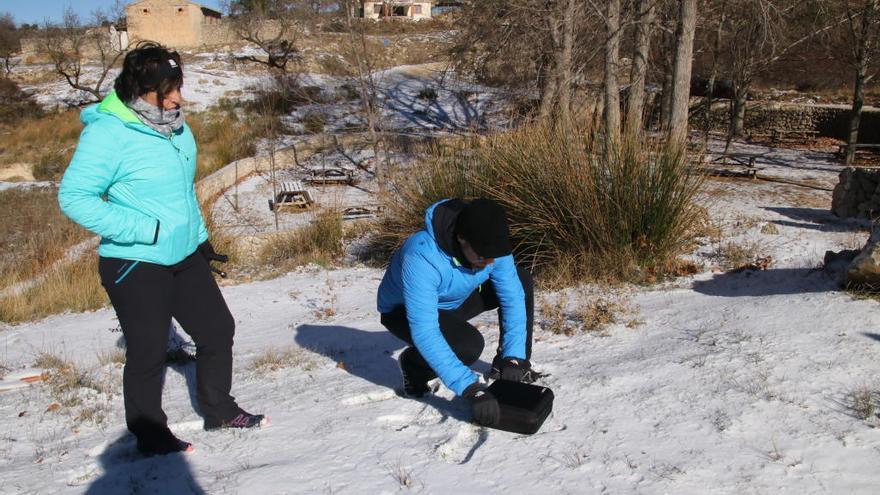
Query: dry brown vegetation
{"points": [[592, 315], [275, 359], [72, 287], [76, 391], [34, 233], [45, 143], [319, 242], [223, 136]]}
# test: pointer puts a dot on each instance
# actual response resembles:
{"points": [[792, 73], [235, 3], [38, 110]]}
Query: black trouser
{"points": [[145, 297], [465, 340]]}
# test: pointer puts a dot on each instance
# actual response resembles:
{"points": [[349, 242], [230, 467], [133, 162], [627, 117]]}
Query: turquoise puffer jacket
{"points": [[424, 278], [147, 180]]}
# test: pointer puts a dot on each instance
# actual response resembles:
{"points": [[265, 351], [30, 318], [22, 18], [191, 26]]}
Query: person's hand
{"points": [[483, 404], [516, 370], [207, 250]]}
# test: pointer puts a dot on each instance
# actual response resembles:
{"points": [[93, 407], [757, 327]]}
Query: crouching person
{"points": [[457, 267]]}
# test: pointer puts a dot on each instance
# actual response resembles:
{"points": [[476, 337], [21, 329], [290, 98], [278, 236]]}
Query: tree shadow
{"points": [[874, 336], [775, 282], [127, 471], [370, 355], [819, 219]]}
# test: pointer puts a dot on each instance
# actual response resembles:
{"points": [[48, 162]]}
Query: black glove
{"points": [[483, 404], [516, 370], [207, 250]]}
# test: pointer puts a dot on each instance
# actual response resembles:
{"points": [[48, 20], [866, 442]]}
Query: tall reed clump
{"points": [[576, 211]]}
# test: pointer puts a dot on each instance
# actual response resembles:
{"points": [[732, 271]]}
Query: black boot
{"points": [[161, 442], [415, 373]]}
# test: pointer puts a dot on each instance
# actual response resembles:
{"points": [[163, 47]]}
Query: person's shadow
{"points": [[127, 471], [370, 356]]}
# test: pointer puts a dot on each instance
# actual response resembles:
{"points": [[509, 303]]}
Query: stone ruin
{"points": [[857, 195]]}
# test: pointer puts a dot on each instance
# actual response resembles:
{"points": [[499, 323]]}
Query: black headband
{"points": [[168, 70]]}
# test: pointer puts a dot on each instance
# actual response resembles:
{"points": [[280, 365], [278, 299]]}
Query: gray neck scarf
{"points": [[164, 122]]}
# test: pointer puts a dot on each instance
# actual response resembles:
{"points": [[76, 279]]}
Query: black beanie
{"points": [[483, 224]]}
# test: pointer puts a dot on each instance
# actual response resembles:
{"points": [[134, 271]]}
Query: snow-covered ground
{"points": [[244, 209], [723, 383], [207, 78], [426, 99]]}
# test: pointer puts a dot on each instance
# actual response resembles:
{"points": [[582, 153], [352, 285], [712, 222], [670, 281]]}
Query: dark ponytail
{"points": [[149, 67]]}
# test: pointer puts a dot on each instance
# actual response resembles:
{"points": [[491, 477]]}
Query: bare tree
{"points": [[718, 18], [863, 24], [681, 90], [536, 49], [565, 60], [759, 33], [9, 41], [272, 26], [635, 108], [71, 45], [611, 86], [358, 53]]}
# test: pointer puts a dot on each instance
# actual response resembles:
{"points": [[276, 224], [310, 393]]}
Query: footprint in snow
{"points": [[424, 416], [369, 397], [460, 448]]}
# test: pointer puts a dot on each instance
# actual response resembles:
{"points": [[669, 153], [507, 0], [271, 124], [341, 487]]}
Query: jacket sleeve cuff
{"points": [[156, 235]]}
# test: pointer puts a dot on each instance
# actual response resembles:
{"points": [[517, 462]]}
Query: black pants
{"points": [[145, 297], [465, 340]]}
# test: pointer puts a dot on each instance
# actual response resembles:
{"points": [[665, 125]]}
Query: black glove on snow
{"points": [[516, 370], [483, 404], [207, 250]]}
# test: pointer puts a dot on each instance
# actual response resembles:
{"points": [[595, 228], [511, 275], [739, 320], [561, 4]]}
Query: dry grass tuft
{"points": [[734, 255], [862, 403], [319, 242], [113, 356], [593, 316], [49, 361], [274, 360]]}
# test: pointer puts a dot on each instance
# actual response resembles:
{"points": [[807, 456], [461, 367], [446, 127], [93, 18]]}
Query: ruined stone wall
{"points": [[218, 34], [763, 118]]}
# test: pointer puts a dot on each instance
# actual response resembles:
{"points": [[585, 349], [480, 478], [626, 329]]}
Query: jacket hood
{"points": [[110, 106], [440, 224]]}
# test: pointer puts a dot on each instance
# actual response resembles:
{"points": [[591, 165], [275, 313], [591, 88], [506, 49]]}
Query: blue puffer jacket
{"points": [[147, 180], [425, 278]]}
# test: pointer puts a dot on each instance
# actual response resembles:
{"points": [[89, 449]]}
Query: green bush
{"points": [[574, 214]]}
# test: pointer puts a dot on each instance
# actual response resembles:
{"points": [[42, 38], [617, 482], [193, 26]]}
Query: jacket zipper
{"points": [[185, 188]]}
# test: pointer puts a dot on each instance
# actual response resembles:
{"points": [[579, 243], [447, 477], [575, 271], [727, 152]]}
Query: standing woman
{"points": [[131, 182]]}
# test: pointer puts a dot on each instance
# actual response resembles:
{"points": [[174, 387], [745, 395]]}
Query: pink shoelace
{"points": [[240, 421]]}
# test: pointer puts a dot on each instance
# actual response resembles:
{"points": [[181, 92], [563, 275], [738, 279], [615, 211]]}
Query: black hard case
{"points": [[524, 407]]}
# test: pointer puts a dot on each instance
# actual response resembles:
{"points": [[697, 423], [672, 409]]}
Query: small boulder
{"points": [[864, 270]]}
